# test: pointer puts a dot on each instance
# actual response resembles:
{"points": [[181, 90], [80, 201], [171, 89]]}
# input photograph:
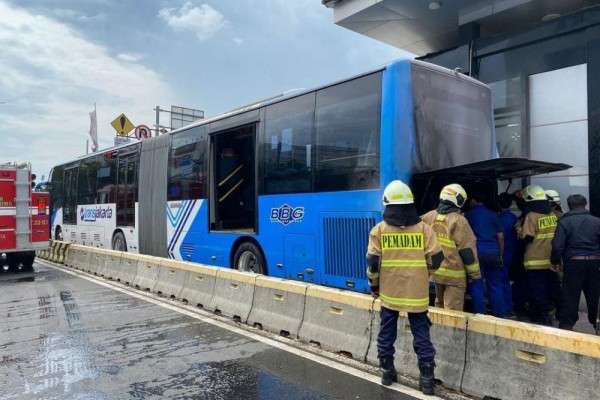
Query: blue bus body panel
{"points": [[398, 148], [319, 237]]}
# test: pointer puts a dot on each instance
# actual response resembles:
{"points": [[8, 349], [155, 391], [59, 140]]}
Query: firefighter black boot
{"points": [[389, 372], [426, 378]]}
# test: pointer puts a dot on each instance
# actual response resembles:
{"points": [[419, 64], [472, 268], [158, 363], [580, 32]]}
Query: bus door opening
{"points": [[234, 188]]}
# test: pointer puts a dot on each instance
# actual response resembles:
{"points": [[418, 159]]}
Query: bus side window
{"points": [[187, 165], [286, 146], [347, 131]]}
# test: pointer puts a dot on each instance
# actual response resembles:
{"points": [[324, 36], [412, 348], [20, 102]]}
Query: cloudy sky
{"points": [[58, 57]]}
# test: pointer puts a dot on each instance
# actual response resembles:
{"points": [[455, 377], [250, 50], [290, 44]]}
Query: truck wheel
{"points": [[13, 260], [118, 242], [249, 258], [28, 259]]}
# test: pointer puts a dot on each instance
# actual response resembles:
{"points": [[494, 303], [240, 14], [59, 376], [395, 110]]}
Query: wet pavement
{"points": [[63, 337]]}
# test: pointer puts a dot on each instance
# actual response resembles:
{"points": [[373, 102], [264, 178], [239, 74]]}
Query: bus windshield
{"points": [[453, 119]]}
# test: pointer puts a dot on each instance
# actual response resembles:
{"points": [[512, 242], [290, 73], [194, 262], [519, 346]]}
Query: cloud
{"points": [[52, 75], [202, 20], [70, 14], [130, 57], [238, 40]]}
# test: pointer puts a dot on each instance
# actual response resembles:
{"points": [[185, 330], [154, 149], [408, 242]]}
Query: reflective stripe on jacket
{"points": [[405, 254], [541, 228], [454, 234]]}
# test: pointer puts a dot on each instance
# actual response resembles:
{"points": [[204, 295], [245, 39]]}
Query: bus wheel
{"points": [[249, 258], [118, 242]]}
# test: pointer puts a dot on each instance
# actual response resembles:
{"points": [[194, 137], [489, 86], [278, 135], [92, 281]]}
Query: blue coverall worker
{"points": [[401, 251], [537, 233], [511, 243], [458, 244], [576, 245], [490, 245]]}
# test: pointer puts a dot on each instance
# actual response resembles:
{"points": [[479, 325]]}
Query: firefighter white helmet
{"points": [[397, 192], [534, 193], [455, 194], [553, 196]]}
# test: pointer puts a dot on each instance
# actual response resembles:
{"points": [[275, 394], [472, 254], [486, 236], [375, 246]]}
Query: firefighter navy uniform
{"points": [[401, 251]]}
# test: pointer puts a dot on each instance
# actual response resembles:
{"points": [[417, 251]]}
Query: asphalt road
{"points": [[64, 337]]}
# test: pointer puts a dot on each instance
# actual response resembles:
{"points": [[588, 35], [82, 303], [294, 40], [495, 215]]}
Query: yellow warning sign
{"points": [[122, 125]]}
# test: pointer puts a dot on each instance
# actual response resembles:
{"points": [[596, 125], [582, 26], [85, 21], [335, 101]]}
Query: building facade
{"points": [[541, 59]]}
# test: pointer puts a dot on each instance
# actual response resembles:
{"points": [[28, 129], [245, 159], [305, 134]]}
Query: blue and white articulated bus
{"points": [[291, 186]]}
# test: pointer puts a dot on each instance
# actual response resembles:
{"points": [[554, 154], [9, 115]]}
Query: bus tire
{"points": [[118, 242], [249, 258]]}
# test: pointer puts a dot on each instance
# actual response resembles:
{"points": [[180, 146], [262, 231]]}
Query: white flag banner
{"points": [[94, 130]]}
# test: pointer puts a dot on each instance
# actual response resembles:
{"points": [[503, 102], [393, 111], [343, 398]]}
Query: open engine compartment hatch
{"points": [[498, 169], [480, 177]]}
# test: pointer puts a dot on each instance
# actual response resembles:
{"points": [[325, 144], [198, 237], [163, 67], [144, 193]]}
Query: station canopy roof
{"points": [[424, 26]]}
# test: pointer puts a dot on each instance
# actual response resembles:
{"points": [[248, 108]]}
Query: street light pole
{"points": [[157, 125]]}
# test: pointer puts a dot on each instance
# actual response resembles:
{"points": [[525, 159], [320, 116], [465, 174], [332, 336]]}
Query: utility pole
{"points": [[157, 125]]}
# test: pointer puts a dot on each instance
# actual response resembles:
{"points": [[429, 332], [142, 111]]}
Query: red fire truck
{"points": [[24, 220]]}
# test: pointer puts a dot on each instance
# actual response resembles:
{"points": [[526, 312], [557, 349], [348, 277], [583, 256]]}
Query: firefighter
{"points": [[459, 246], [401, 249], [554, 199], [537, 233]]}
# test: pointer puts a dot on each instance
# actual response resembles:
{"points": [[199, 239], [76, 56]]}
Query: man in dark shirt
{"points": [[577, 244]]}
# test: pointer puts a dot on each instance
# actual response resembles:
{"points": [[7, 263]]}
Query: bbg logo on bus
{"points": [[92, 214], [286, 214]]}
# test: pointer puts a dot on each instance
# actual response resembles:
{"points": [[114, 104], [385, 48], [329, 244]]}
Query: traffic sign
{"points": [[122, 125], [143, 132]]}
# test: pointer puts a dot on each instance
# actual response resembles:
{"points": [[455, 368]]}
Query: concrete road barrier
{"points": [[127, 268], [96, 262], [71, 256], [62, 252], [84, 258], [112, 264], [147, 272], [199, 286], [278, 305], [449, 337], [233, 293], [54, 251], [338, 321], [171, 278], [515, 360]]}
